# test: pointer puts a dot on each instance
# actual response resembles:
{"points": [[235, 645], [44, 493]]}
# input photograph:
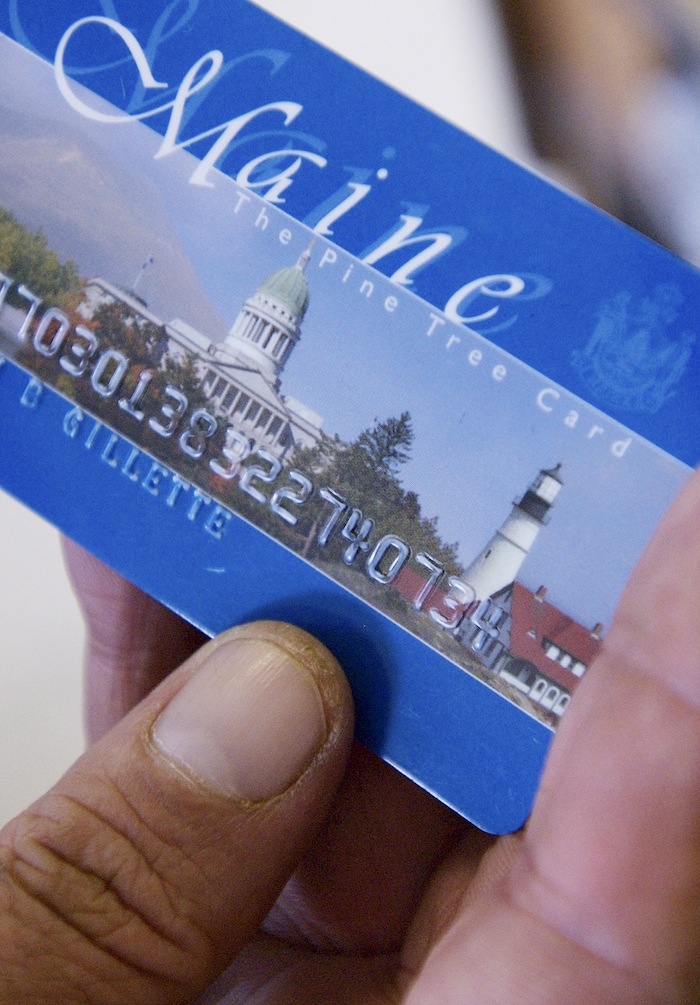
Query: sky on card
{"points": [[479, 441]]}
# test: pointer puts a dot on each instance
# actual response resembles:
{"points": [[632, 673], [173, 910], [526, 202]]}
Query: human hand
{"points": [[157, 858]]}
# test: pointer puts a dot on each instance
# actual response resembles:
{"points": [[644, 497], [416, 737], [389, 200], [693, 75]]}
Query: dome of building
{"points": [[290, 287], [268, 325]]}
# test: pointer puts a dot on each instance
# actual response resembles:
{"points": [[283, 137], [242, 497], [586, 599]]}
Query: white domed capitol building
{"points": [[241, 376]]}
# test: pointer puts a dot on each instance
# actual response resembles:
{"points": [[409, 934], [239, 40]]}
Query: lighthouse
{"points": [[499, 563]]}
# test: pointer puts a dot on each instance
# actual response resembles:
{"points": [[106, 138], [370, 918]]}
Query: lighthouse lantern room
{"points": [[498, 564]]}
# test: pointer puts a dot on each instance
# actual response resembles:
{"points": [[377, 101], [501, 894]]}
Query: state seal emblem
{"points": [[629, 360]]}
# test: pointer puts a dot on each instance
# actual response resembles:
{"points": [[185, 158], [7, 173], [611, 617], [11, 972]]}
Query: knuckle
{"points": [[102, 890]]}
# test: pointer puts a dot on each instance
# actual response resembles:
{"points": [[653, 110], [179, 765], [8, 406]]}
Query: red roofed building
{"points": [[528, 643], [531, 645]]}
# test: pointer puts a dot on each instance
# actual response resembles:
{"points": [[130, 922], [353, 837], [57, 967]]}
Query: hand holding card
{"points": [[395, 899], [263, 384]]}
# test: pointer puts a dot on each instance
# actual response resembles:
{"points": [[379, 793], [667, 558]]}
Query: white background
{"points": [[449, 56]]}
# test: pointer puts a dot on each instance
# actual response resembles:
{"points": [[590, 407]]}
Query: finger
{"points": [[360, 884], [156, 857], [601, 901], [358, 888], [133, 642]]}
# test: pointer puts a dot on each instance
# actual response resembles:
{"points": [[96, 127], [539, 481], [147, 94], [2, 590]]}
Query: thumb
{"points": [[155, 858]]}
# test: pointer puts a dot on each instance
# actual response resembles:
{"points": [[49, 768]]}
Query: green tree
{"points": [[387, 444], [366, 473], [26, 258], [139, 339]]}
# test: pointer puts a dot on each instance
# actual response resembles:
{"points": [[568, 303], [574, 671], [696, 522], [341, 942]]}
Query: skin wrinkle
{"points": [[99, 943], [129, 785], [620, 649], [501, 911], [152, 861], [512, 899], [76, 970], [98, 906], [534, 889], [156, 865], [166, 847], [520, 933], [186, 953]]}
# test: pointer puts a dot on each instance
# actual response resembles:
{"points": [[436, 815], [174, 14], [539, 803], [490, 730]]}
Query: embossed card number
{"points": [[229, 351]]}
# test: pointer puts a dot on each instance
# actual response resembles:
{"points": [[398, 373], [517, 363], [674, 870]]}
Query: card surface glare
{"points": [[279, 343]]}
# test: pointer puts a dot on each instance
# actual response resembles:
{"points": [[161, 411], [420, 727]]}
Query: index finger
{"points": [[133, 642], [599, 900], [615, 839]]}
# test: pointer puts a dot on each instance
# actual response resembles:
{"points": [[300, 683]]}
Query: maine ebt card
{"points": [[278, 343]]}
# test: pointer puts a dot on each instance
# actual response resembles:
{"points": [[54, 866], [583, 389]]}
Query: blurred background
{"points": [[600, 94], [610, 91]]}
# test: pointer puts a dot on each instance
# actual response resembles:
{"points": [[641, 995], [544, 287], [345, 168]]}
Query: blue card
{"points": [[279, 343]]}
